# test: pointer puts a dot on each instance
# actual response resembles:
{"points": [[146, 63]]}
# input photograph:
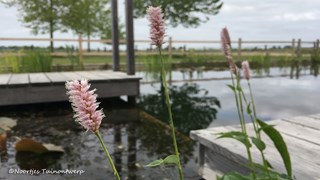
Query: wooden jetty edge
{"points": [[302, 135], [29, 88]]}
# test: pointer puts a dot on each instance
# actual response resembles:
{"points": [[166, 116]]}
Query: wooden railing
{"points": [[296, 45]]}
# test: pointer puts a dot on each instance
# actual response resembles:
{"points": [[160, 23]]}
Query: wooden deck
{"points": [[302, 135], [50, 87]]}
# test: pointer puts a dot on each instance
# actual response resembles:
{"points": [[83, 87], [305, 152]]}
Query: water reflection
{"points": [[192, 108], [133, 137]]}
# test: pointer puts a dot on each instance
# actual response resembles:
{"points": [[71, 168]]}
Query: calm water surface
{"points": [[136, 136]]}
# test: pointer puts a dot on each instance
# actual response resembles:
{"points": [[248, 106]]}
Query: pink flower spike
{"points": [[246, 69], [157, 30], [84, 104]]}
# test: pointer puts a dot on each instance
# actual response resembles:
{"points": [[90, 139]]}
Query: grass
{"points": [[189, 58]]}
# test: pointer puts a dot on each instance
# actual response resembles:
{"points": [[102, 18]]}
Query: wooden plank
{"points": [[106, 74], [307, 134], [304, 121], [72, 76], [315, 116], [19, 79], [57, 77], [4, 79], [304, 155], [89, 75], [38, 78]]}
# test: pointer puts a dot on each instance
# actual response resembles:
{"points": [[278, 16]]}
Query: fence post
{"points": [[266, 49], [299, 48], [80, 50], [239, 49], [130, 37], [115, 36], [293, 46], [317, 46], [170, 48]]}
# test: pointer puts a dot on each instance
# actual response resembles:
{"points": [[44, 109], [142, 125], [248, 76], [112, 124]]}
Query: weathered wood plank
{"points": [[304, 152], [4, 79], [304, 121], [307, 134], [19, 79], [315, 116], [48, 87], [72, 76], [107, 74], [38, 78], [90, 76], [57, 77]]}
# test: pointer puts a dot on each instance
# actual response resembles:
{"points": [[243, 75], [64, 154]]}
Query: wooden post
{"points": [[202, 151], [170, 48], [293, 46], [266, 49], [115, 36], [130, 38], [80, 50], [317, 46], [239, 49], [299, 49]]}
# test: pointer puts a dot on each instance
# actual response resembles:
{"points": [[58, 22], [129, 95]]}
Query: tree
{"points": [[188, 13], [88, 17], [42, 16]]}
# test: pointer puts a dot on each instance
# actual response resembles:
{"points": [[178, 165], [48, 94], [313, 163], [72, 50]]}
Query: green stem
{"points": [[254, 119], [239, 89], [115, 172], [237, 101], [164, 81]]}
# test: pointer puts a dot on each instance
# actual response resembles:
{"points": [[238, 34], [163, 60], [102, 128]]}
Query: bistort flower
{"points": [[157, 30], [246, 69], [84, 104], [226, 47]]}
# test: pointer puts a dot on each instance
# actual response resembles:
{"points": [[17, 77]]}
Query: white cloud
{"points": [[305, 16]]}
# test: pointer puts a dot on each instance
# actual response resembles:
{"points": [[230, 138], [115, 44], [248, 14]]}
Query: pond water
{"points": [[137, 135]]}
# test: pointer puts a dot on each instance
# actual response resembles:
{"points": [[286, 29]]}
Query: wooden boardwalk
{"points": [[302, 135], [50, 87]]}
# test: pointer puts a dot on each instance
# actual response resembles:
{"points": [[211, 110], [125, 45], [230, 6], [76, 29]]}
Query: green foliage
{"points": [[171, 159], [194, 108], [259, 176], [279, 143], [29, 61], [189, 13], [74, 59], [258, 143], [86, 16], [237, 135]]}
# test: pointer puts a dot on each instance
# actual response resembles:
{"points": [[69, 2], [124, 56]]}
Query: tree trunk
{"points": [[51, 37], [89, 43], [51, 26]]}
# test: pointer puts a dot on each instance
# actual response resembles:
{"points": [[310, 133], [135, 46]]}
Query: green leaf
{"points": [[249, 111], [155, 163], [279, 143], [231, 87], [239, 88], [268, 164], [234, 176], [258, 143], [237, 135], [171, 159]]}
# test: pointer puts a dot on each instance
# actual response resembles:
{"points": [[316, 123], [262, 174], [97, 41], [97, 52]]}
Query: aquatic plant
{"points": [[84, 104], [157, 33], [265, 170]]}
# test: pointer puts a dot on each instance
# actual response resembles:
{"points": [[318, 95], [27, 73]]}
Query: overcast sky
{"points": [[248, 19]]}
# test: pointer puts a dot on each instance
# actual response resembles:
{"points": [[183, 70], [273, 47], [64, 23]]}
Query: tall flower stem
{"points": [[164, 81], [115, 172], [255, 124], [239, 89]]}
